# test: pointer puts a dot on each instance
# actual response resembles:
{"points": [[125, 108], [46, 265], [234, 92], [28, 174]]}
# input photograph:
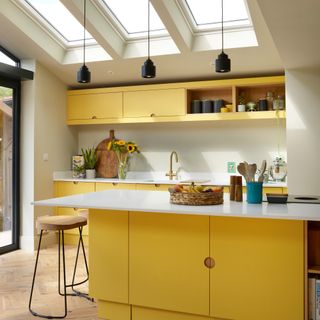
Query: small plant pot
{"points": [[90, 173]]}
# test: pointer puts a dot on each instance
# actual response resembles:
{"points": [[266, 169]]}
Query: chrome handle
{"points": [[209, 262]]}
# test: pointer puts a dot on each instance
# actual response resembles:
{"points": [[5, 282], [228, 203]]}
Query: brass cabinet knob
{"points": [[75, 182], [93, 117], [209, 262], [157, 185], [152, 115], [114, 183]]}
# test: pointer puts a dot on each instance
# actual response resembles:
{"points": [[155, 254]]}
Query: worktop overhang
{"points": [[159, 201]]}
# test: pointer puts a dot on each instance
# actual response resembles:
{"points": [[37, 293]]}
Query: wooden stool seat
{"points": [[60, 222]]}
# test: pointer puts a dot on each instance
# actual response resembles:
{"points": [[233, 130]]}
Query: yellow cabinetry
{"points": [[66, 188], [259, 268], [154, 103], [166, 269], [114, 185], [153, 187], [108, 257], [84, 106]]}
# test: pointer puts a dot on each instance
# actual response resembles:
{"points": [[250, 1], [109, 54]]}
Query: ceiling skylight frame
{"points": [[51, 30], [122, 31], [232, 25]]}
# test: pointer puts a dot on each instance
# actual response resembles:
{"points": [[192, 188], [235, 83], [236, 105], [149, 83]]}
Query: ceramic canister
{"points": [[218, 104], [207, 106], [196, 106]]}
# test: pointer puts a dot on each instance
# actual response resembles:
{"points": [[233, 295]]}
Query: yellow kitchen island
{"points": [[152, 260]]}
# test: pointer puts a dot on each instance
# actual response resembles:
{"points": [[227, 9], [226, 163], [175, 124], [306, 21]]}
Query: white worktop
{"points": [[158, 201], [207, 178]]}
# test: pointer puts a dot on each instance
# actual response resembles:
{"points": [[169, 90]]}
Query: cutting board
{"points": [[107, 164]]}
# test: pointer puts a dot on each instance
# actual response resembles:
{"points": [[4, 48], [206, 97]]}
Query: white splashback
{"points": [[201, 146]]}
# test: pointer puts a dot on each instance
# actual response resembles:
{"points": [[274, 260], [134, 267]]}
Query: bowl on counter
{"points": [[277, 197]]}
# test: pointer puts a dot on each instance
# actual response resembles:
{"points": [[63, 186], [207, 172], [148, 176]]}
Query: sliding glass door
{"points": [[9, 193]]}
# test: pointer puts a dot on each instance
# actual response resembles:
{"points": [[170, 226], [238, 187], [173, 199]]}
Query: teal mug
{"points": [[254, 192]]}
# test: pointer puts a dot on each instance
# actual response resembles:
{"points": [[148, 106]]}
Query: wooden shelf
{"points": [[236, 116], [314, 269]]}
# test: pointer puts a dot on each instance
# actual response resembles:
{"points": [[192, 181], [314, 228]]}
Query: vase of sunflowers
{"points": [[123, 150]]}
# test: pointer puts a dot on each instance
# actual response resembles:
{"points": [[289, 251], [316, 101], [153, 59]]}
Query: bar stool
{"points": [[61, 223]]}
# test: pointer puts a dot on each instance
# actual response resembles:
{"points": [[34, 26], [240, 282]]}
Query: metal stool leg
{"points": [[34, 276]]}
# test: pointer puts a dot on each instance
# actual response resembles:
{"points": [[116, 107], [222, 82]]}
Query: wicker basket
{"points": [[196, 199]]}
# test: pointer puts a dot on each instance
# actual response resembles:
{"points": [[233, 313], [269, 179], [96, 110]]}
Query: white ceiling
{"points": [[286, 31]]}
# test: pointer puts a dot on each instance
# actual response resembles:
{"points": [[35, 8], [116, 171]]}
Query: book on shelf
{"points": [[314, 298]]}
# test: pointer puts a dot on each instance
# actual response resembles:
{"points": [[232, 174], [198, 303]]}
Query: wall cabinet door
{"points": [[108, 259], [166, 102], [166, 269], [259, 268], [95, 106]]}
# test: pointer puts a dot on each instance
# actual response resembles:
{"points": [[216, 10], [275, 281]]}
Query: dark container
{"points": [[218, 104], [263, 104], [196, 106], [207, 106]]}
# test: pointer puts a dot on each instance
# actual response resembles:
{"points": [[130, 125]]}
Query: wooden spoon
{"points": [[262, 170], [252, 169], [242, 170]]}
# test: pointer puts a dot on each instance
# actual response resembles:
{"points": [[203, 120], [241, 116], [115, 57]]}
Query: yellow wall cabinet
{"points": [[154, 103], [94, 106], [257, 271]]}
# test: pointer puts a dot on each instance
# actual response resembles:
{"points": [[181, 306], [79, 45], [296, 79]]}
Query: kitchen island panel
{"points": [[108, 259], [259, 269]]}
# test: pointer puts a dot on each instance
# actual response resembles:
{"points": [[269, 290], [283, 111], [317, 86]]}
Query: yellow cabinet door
{"points": [[114, 185], [66, 188], [108, 257], [153, 187], [165, 102], [94, 106], [259, 269], [166, 269]]}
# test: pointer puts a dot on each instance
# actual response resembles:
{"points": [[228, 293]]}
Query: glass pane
{"points": [[60, 18], [133, 16], [6, 142], [208, 12], [5, 59]]}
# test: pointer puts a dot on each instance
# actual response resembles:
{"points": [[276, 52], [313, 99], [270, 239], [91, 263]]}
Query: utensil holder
{"points": [[254, 192]]}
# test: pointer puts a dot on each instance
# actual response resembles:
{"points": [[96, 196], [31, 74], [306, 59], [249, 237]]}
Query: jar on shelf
{"points": [[269, 97], [278, 103]]}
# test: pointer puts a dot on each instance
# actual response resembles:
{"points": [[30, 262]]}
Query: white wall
{"points": [[44, 131], [303, 130], [202, 147]]}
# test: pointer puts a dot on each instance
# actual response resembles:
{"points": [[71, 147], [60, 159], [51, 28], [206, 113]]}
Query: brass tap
{"points": [[172, 174]]}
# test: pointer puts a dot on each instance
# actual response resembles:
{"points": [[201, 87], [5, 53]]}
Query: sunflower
{"points": [[131, 147], [120, 142]]}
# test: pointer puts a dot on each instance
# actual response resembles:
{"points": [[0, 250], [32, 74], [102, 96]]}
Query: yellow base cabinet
{"points": [[259, 269], [113, 311], [108, 258], [114, 185], [166, 269]]}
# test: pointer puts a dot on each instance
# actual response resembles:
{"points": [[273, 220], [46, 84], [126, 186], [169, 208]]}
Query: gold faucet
{"points": [[171, 174]]}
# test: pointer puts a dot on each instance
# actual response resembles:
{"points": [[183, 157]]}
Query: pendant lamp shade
{"points": [[84, 75], [148, 70], [223, 63]]}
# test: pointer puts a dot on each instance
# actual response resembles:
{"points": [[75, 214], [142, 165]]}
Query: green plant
{"points": [[90, 158]]}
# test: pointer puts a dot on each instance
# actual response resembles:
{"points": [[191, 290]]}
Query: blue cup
{"points": [[254, 192]]}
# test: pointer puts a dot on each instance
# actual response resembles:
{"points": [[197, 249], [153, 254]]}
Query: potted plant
{"points": [[90, 160]]}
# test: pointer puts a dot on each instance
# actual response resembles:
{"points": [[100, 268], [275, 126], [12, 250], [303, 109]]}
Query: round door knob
{"points": [[209, 262]]}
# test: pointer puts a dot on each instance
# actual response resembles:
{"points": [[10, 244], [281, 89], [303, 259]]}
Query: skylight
{"points": [[206, 14], [5, 59], [59, 17], [132, 17]]}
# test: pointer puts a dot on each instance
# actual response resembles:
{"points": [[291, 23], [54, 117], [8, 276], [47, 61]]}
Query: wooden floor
{"points": [[16, 270]]}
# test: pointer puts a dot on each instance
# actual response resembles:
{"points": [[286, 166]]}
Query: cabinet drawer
{"points": [[114, 185], [95, 106], [166, 102]]}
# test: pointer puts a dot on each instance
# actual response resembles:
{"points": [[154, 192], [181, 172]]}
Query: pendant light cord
{"points": [[222, 24], [84, 31], [148, 29]]}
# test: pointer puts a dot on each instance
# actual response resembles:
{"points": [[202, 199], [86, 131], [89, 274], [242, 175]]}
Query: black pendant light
{"points": [[148, 70], [84, 75], [223, 63]]}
